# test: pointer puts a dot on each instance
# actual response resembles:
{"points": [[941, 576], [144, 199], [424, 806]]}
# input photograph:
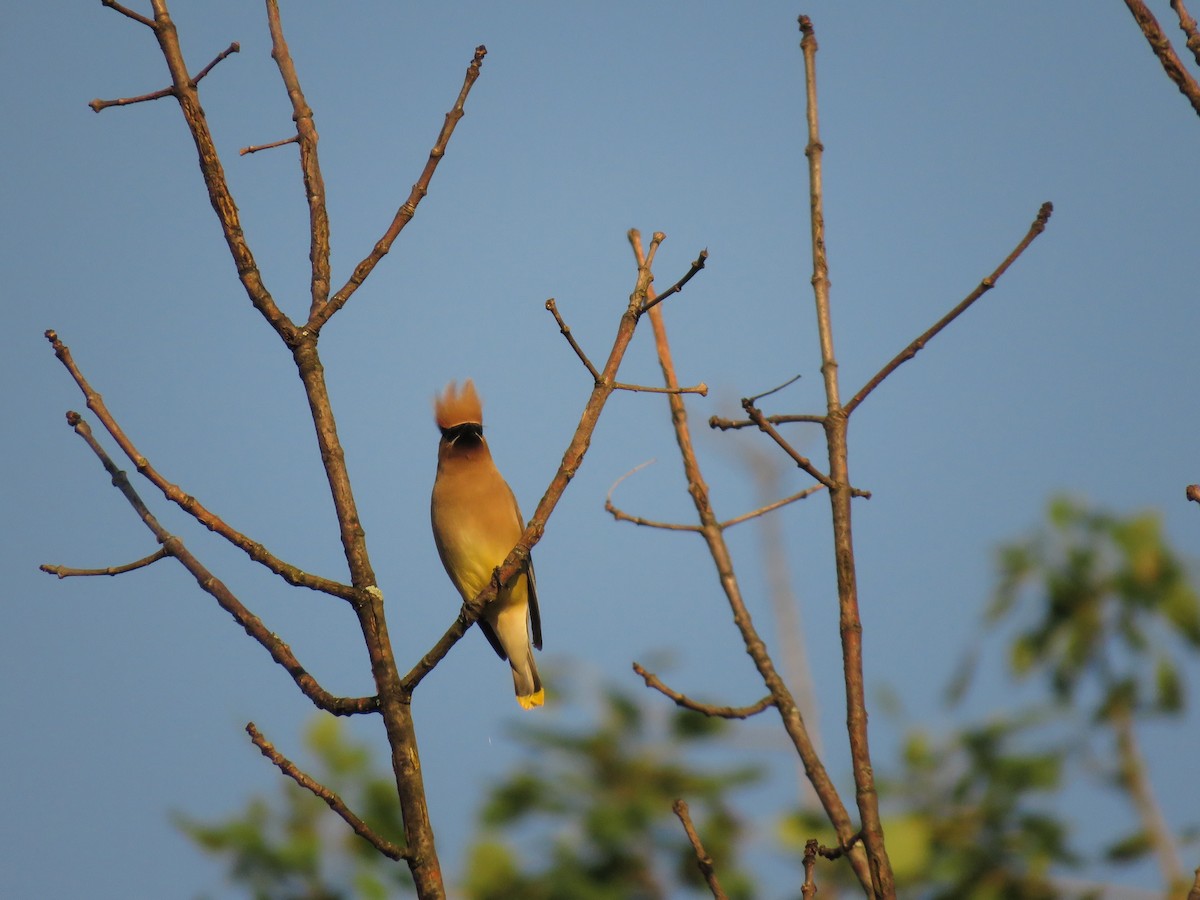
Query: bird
{"points": [[476, 524]]}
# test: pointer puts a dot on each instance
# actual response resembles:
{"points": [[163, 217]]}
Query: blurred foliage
{"points": [[598, 801], [291, 847], [1095, 609]]}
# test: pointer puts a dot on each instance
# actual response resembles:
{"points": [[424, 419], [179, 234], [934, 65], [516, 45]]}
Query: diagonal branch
{"points": [[336, 803], [1167, 57], [678, 286], [189, 504], [1038, 226], [572, 459], [404, 214], [125, 11], [768, 429], [66, 572], [210, 584], [708, 709], [565, 329], [214, 175], [306, 135], [703, 860]]}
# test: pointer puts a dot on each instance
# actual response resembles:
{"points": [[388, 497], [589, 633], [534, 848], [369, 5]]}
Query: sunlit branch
{"points": [[708, 709], [332, 800], [98, 104], [66, 572], [703, 860]]}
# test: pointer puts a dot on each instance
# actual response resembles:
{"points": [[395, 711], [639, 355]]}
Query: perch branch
{"points": [[571, 461], [98, 105], [708, 709], [334, 802], [409, 208], [1038, 226], [1167, 58], [65, 572], [310, 167], [701, 389], [703, 860], [189, 504], [253, 626]]}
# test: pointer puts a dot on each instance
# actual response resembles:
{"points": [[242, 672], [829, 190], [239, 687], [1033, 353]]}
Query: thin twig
{"points": [[566, 332], [708, 709], [697, 265], [310, 167], [1167, 57], [621, 516], [189, 504], [701, 389], [255, 148], [753, 401], [98, 104], [65, 572], [253, 626], [409, 208], [703, 860], [125, 11], [1038, 226], [727, 424], [768, 429], [334, 802], [1187, 25], [771, 507]]}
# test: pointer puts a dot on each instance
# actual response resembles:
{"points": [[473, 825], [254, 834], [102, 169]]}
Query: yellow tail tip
{"points": [[529, 701]]}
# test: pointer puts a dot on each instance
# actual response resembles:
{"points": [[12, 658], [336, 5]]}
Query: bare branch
{"points": [[703, 860], [255, 148], [251, 624], [125, 11], [1187, 25], [708, 709], [314, 183], [1038, 226], [697, 265], [789, 711], [771, 507], [620, 516], [566, 332], [767, 428], [361, 828], [409, 208], [65, 572], [1162, 48], [879, 880], [189, 504], [701, 389], [98, 105], [727, 424]]}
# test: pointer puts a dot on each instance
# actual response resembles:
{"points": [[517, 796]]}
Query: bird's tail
{"points": [[526, 681]]}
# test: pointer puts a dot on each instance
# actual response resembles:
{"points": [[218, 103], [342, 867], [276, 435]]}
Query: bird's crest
{"points": [[455, 406]]}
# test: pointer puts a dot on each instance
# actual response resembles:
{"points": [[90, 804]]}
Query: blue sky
{"points": [[945, 126]]}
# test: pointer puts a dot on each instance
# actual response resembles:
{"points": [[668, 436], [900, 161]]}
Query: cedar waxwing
{"points": [[476, 524]]}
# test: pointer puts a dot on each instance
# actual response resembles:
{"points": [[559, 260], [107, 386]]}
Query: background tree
{"points": [[919, 453]]}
